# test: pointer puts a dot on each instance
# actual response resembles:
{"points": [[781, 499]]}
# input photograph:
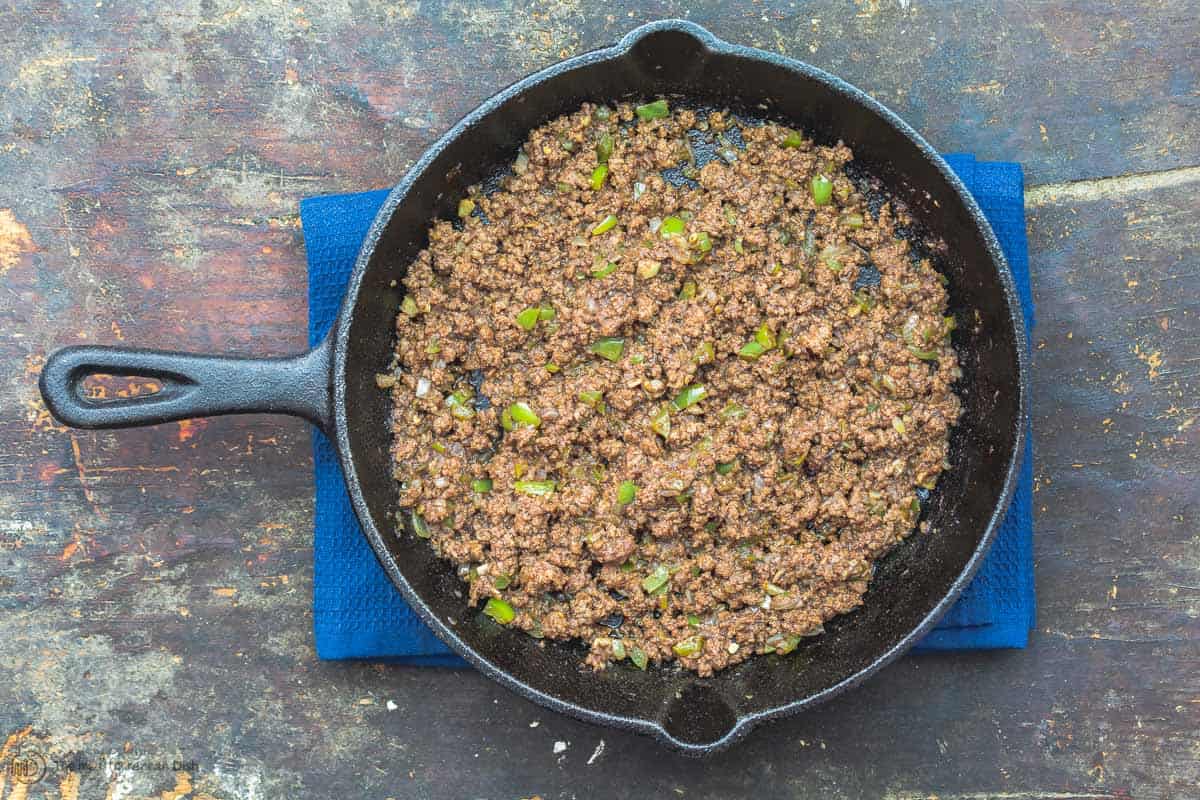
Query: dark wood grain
{"points": [[155, 584]]}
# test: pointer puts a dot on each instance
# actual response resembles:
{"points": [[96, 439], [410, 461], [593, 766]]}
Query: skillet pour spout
{"points": [[333, 386]]}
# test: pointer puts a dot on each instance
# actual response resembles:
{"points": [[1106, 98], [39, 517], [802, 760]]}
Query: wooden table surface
{"points": [[155, 584]]}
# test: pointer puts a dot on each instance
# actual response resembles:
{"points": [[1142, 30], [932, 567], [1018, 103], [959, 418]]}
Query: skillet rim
{"points": [[744, 723]]}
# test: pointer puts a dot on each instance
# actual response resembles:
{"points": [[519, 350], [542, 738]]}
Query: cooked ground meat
{"points": [[660, 406]]}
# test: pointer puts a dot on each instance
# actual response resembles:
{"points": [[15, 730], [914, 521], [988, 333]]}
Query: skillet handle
{"points": [[192, 385]]}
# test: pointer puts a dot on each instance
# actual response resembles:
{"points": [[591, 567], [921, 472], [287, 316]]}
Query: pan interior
{"points": [[908, 583]]}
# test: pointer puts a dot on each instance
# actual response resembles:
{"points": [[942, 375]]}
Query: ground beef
{"points": [[680, 415]]}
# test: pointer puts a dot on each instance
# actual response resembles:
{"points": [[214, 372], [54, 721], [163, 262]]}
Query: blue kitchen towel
{"points": [[357, 613]]}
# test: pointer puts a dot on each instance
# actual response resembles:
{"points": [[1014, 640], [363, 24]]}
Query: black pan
{"points": [[333, 386]]}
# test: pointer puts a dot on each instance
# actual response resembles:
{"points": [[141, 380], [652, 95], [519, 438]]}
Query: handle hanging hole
{"points": [[99, 387]]}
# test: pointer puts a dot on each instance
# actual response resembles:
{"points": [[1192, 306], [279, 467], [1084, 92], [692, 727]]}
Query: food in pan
{"points": [[672, 388]]}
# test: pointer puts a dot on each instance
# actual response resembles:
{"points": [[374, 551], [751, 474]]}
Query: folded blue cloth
{"points": [[357, 613]]}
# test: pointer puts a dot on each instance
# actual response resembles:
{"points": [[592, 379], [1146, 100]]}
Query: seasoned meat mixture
{"points": [[671, 389]]}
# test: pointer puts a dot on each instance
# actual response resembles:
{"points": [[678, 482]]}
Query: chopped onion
{"points": [[423, 385]]}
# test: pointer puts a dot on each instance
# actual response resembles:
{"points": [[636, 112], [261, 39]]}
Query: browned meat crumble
{"points": [[662, 419]]}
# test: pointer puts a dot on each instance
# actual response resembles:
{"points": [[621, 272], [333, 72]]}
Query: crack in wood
{"points": [[1105, 188]]}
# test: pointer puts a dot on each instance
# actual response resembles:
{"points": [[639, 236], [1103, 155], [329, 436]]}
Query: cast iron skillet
{"points": [[333, 386]]}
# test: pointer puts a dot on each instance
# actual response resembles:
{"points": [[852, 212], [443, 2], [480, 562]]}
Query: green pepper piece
{"points": [[638, 656], [521, 414], [765, 337], [782, 644], [535, 488], [528, 319], [701, 242], [751, 350], [924, 355], [863, 301], [822, 190], [830, 258], [592, 398], [690, 395], [691, 646], [618, 649], [604, 148], [599, 175], [608, 269], [626, 492], [481, 485], [659, 577], [605, 225], [459, 403], [610, 347], [733, 411], [655, 110], [671, 226], [499, 610], [660, 423]]}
